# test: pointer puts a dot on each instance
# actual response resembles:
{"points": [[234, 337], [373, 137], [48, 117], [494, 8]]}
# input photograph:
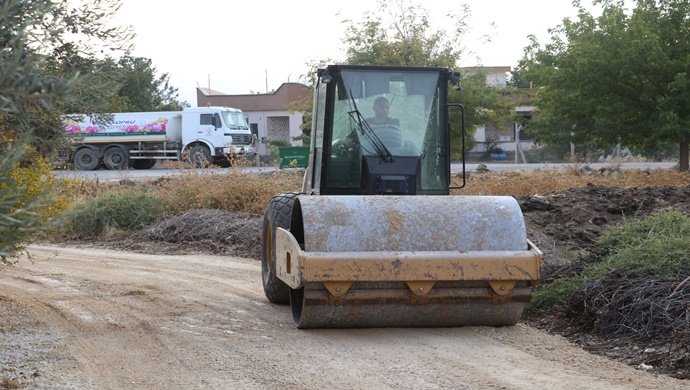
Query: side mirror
{"points": [[455, 79], [216, 122], [324, 76]]}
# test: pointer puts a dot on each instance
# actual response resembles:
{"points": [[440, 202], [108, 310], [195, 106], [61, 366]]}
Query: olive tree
{"points": [[41, 44]]}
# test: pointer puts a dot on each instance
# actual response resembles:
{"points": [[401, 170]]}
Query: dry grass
{"points": [[238, 190], [235, 190], [544, 182]]}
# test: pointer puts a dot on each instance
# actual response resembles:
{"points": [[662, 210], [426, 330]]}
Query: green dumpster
{"points": [[293, 156]]}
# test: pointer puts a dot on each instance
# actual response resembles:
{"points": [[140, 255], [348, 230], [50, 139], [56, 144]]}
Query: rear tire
{"points": [[278, 214], [86, 159], [116, 158]]}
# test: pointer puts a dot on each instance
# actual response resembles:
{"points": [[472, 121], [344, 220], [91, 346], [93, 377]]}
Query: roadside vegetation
{"points": [[631, 293], [109, 209], [515, 183], [99, 208], [28, 200], [655, 246]]}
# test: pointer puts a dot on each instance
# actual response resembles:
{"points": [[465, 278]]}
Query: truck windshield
{"points": [[235, 120]]}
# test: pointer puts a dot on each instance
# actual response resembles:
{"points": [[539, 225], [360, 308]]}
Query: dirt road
{"points": [[93, 318]]}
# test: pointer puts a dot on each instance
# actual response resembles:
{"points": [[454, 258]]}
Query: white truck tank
{"points": [[126, 127]]}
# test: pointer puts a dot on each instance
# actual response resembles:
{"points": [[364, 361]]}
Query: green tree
{"points": [[621, 77], [400, 33], [127, 84], [44, 44], [142, 90], [40, 42], [97, 87], [517, 80]]}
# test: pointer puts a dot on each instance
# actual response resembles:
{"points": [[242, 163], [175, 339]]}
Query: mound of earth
{"points": [[571, 221], [202, 231]]}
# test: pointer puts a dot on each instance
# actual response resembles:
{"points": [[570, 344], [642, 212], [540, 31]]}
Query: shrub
{"points": [[34, 178], [28, 203], [657, 245], [126, 210]]}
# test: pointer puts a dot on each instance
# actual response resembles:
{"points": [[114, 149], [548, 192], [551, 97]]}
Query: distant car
{"points": [[497, 154]]}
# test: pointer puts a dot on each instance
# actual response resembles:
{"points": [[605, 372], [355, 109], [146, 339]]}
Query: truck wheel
{"points": [[142, 164], [199, 156], [224, 162], [278, 214], [86, 159], [115, 158]]}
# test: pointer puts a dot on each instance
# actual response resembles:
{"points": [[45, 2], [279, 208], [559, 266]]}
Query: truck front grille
{"points": [[242, 139]]}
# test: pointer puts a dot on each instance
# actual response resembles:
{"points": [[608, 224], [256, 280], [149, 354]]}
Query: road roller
{"points": [[377, 236]]}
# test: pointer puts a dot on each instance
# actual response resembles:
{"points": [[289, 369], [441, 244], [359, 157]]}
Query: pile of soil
{"points": [[202, 231], [566, 224]]}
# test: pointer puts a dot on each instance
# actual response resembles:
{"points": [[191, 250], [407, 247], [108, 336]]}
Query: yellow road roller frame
{"points": [[419, 270]]}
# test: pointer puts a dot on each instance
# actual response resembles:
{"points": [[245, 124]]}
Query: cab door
{"points": [[211, 129]]}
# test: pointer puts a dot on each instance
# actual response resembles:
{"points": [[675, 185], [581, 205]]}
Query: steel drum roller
{"points": [[370, 261]]}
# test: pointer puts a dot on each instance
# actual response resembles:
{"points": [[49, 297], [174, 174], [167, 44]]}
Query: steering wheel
{"points": [[345, 147]]}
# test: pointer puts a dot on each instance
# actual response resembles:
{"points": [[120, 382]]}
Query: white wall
{"points": [[261, 119], [497, 79]]}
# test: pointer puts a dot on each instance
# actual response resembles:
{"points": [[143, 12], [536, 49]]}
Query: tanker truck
{"points": [[199, 135]]}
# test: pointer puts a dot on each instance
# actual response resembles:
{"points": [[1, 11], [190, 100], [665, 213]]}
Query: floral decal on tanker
{"points": [[73, 127]]}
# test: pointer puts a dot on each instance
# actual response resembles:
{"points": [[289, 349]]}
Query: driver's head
{"points": [[381, 107]]}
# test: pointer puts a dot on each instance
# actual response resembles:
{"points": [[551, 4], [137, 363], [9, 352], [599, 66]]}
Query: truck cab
{"points": [[223, 130]]}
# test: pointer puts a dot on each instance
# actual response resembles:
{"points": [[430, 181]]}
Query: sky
{"points": [[241, 47]]}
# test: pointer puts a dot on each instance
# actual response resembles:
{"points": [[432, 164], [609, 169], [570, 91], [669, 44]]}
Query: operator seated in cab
{"points": [[381, 119], [385, 128]]}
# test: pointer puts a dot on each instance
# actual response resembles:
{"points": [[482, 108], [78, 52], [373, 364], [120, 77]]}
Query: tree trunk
{"points": [[684, 150]]}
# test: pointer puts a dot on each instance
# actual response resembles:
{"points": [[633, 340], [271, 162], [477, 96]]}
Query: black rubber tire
{"points": [[223, 162], [200, 156], [86, 159], [278, 214], [142, 164], [116, 158]]}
